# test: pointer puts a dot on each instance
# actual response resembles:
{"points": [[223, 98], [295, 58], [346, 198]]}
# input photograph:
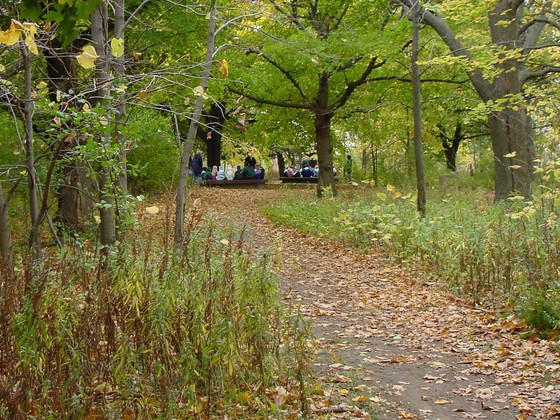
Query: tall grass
{"points": [[503, 255], [148, 334]]}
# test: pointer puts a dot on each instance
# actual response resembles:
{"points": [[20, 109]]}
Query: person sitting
{"points": [[259, 171], [290, 172], [307, 172], [247, 172], [206, 174], [229, 174], [315, 171], [221, 175], [238, 173], [250, 160], [214, 172]]}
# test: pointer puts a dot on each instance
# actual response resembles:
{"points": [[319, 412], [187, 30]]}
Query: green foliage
{"points": [[490, 254], [154, 159], [203, 334]]}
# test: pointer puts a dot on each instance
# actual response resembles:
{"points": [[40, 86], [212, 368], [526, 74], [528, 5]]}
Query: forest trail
{"points": [[391, 345]]}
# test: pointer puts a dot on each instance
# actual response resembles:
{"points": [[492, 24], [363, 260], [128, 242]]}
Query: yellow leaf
{"points": [[510, 155], [103, 121], [31, 45], [199, 91], [10, 36], [143, 93], [152, 210], [224, 68], [224, 242], [442, 401], [87, 58], [117, 47], [515, 167], [86, 107], [335, 357]]}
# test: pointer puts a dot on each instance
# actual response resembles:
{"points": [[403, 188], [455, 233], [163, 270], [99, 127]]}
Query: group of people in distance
{"points": [[251, 170], [309, 169]]}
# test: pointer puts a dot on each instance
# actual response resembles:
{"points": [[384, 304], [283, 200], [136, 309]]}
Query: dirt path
{"points": [[391, 345]]}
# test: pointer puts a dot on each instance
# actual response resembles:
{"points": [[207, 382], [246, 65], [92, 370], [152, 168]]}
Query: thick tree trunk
{"points": [[281, 163], [513, 147], [215, 122], [510, 128], [323, 118], [74, 207]]}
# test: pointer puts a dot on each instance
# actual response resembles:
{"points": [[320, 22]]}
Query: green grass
{"points": [[502, 255]]}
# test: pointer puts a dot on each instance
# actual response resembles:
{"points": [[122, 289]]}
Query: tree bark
{"points": [[213, 139], [32, 178], [323, 119], [417, 111], [193, 128], [99, 37], [120, 117], [6, 255]]}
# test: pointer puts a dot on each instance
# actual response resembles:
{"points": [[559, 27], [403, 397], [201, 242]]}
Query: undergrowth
{"points": [[147, 334], [503, 255]]}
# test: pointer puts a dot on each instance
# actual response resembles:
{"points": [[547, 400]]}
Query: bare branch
{"points": [[269, 102]]}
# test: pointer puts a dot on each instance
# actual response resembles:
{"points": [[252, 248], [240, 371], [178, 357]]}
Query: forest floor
{"points": [[392, 342]]}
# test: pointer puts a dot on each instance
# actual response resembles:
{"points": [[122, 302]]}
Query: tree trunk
{"points": [[120, 117], [450, 146], [417, 111], [281, 163], [513, 149], [215, 122], [32, 179], [73, 205], [6, 255], [193, 128], [323, 118], [99, 33]]}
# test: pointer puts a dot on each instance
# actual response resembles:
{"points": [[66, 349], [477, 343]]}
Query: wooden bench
{"points": [[300, 180], [237, 183]]}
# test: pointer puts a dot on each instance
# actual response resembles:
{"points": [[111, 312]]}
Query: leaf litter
{"points": [[389, 344]]}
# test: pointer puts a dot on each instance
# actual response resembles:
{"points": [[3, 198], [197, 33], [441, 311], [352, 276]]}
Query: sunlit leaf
{"points": [[152, 210], [117, 47], [224, 68], [510, 155], [87, 58], [10, 36]]}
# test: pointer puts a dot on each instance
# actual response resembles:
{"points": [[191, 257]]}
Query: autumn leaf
{"points": [[224, 68], [117, 47], [152, 210], [11, 36], [510, 155], [143, 94], [87, 58]]}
